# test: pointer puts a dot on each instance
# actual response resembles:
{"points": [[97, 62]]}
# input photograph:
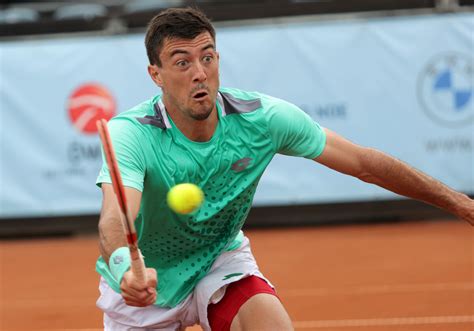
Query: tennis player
{"points": [[200, 268]]}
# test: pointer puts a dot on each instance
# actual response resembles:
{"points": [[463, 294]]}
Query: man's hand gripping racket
{"points": [[137, 264]]}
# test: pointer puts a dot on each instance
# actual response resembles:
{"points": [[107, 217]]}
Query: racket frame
{"points": [[137, 264]]}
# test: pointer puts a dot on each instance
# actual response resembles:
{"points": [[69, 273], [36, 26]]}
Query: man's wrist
{"points": [[119, 263]]}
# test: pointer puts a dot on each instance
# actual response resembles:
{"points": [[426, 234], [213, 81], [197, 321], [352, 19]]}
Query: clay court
{"points": [[409, 276]]}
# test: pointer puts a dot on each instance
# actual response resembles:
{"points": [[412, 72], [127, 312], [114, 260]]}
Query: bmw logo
{"points": [[446, 89]]}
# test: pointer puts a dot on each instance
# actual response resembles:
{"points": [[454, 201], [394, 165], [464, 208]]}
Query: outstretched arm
{"points": [[375, 167]]}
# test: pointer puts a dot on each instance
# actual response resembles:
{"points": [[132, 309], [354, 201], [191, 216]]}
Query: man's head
{"points": [[181, 48], [179, 23]]}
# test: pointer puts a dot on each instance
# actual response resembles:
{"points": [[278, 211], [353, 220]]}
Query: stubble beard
{"points": [[203, 110], [200, 116], [200, 112]]}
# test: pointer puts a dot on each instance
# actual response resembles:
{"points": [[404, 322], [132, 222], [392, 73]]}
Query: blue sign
{"points": [[403, 85]]}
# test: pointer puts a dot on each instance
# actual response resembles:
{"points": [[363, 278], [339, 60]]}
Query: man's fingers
{"points": [[151, 300], [141, 300], [136, 294], [130, 301], [152, 279], [130, 281]]}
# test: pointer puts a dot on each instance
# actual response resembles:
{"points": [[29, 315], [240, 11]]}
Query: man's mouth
{"points": [[199, 95]]}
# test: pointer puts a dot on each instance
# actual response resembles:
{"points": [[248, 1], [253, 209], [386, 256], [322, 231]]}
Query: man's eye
{"points": [[207, 58], [182, 63]]}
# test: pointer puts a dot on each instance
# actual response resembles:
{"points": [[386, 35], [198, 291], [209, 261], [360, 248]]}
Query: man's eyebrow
{"points": [[182, 51], [178, 51], [210, 45]]}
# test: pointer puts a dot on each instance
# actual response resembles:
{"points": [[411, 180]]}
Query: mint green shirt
{"points": [[153, 156]]}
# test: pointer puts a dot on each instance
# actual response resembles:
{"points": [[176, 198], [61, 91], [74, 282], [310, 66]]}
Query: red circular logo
{"points": [[89, 103]]}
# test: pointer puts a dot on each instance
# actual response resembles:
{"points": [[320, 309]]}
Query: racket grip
{"points": [[138, 267]]}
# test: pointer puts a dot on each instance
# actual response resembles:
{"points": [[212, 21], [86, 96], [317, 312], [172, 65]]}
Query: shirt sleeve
{"points": [[293, 132], [130, 158]]}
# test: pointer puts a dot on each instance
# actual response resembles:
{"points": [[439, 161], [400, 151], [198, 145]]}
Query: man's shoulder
{"points": [[264, 101], [132, 121], [240, 94], [145, 108], [138, 116]]}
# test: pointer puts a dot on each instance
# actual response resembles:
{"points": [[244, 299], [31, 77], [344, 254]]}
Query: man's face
{"points": [[189, 75]]}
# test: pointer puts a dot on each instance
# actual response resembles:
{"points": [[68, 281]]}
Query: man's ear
{"points": [[154, 72]]}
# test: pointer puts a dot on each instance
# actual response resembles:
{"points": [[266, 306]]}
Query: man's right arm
{"points": [[112, 236], [111, 233]]}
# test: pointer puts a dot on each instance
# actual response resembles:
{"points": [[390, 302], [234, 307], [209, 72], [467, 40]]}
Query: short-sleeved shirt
{"points": [[153, 156]]}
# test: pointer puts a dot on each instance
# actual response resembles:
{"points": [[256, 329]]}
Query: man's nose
{"points": [[199, 74]]}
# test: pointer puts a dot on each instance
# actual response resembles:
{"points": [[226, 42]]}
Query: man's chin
{"points": [[203, 111], [201, 116]]}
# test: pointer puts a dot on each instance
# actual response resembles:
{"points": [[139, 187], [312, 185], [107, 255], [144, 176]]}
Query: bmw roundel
{"points": [[446, 89]]}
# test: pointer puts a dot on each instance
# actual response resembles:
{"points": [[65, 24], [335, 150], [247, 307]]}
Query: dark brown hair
{"points": [[185, 23]]}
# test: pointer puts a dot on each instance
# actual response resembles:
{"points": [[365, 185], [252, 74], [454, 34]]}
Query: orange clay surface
{"points": [[413, 276]]}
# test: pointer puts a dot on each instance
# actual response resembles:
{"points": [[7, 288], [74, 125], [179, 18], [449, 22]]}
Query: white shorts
{"points": [[193, 310]]}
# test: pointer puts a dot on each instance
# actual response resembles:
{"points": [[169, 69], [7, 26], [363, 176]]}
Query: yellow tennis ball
{"points": [[185, 198]]}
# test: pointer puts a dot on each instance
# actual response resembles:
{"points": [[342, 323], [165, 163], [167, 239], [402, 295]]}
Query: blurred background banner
{"points": [[403, 85]]}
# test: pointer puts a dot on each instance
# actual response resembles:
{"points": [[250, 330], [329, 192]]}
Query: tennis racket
{"points": [[137, 265]]}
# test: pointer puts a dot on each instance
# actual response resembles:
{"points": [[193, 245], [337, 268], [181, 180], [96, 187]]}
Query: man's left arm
{"points": [[375, 167]]}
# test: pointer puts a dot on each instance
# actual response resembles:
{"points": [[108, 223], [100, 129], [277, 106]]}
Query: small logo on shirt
{"points": [[241, 165], [118, 259]]}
